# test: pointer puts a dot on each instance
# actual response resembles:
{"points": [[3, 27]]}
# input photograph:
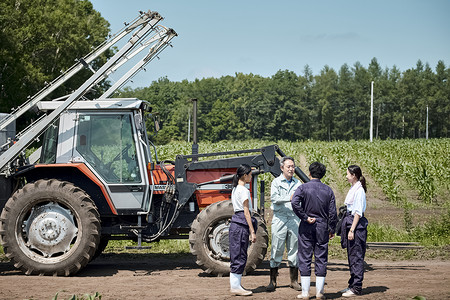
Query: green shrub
{"points": [[433, 233]]}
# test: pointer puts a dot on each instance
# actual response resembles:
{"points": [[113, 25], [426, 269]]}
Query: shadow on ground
{"points": [[111, 263]]}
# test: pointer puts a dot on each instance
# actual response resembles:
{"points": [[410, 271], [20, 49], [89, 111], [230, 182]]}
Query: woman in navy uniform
{"points": [[354, 230], [242, 229]]}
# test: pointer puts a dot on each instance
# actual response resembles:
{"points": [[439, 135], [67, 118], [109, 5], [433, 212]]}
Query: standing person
{"points": [[315, 205], [354, 230], [243, 226], [284, 224]]}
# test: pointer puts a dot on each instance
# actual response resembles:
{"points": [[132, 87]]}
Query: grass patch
{"points": [[432, 234], [336, 252], [3, 257], [160, 247]]}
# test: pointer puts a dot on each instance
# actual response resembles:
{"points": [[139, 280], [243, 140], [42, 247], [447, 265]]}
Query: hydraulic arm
{"points": [[145, 32]]}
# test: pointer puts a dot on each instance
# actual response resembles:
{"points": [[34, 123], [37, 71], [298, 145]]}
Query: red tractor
{"points": [[98, 177]]}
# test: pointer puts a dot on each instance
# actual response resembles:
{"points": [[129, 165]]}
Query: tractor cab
{"points": [[109, 137]]}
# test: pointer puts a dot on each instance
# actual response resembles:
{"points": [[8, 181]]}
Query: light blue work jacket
{"points": [[280, 195]]}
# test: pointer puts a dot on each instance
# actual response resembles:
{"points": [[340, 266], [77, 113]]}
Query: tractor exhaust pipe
{"points": [[194, 133]]}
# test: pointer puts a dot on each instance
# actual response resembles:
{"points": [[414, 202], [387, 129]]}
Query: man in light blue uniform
{"points": [[284, 224]]}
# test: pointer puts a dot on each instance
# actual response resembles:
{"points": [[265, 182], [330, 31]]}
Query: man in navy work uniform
{"points": [[315, 205]]}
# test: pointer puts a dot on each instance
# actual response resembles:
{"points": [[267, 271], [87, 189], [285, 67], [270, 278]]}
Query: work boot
{"points": [[349, 293], [236, 287], [306, 282], [273, 280], [320, 284], [293, 272], [241, 292]]}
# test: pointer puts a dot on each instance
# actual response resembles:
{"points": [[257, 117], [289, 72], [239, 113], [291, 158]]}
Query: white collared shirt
{"points": [[238, 195], [358, 202]]}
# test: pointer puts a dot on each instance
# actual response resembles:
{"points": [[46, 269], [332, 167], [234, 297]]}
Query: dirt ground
{"points": [[120, 276]]}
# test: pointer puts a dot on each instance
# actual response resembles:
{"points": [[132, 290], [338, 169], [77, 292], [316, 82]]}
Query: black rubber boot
{"points": [[273, 280], [293, 271]]}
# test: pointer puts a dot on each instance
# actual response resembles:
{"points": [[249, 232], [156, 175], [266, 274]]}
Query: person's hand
{"points": [[331, 235], [311, 220], [351, 235], [253, 237]]}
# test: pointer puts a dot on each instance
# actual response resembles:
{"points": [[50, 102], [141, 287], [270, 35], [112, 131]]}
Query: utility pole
{"points": [[426, 132], [371, 112]]}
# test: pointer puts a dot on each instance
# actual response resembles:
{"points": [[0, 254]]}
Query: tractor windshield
{"points": [[106, 142]]}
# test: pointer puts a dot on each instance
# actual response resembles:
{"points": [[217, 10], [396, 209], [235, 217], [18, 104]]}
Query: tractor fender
{"points": [[78, 174]]}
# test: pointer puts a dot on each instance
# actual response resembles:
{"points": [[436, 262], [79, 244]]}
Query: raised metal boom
{"points": [[145, 33]]}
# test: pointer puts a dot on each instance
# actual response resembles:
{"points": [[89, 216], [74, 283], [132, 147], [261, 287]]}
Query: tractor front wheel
{"points": [[209, 240], [50, 227]]}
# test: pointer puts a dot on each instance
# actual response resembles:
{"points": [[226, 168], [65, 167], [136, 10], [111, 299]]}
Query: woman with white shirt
{"points": [[242, 229], [354, 230]]}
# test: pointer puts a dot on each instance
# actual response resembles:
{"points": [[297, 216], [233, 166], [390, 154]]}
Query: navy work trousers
{"points": [[313, 238], [239, 235], [356, 250]]}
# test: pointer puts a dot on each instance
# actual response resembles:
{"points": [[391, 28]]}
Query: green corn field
{"points": [[416, 171]]}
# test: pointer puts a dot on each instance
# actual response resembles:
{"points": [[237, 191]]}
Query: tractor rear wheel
{"points": [[50, 227], [209, 241]]}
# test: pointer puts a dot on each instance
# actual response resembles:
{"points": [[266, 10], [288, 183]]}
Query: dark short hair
{"points": [[285, 158], [317, 170]]}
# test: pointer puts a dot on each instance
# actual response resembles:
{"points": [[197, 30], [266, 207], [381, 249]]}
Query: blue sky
{"points": [[218, 38]]}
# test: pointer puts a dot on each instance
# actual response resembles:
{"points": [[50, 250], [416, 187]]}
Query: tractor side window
{"points": [[106, 143], [49, 143]]}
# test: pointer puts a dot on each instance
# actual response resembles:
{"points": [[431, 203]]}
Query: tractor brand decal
{"points": [[159, 187], [217, 186]]}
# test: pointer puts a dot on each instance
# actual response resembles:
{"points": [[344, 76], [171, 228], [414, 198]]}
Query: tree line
{"points": [[333, 105]]}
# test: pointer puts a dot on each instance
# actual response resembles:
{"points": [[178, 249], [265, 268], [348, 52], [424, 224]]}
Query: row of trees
{"points": [[328, 106]]}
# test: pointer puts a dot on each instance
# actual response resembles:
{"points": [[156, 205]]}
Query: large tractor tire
{"points": [[50, 227], [209, 241]]}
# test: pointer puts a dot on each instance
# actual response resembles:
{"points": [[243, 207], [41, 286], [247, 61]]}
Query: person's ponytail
{"points": [[235, 180], [362, 179]]}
